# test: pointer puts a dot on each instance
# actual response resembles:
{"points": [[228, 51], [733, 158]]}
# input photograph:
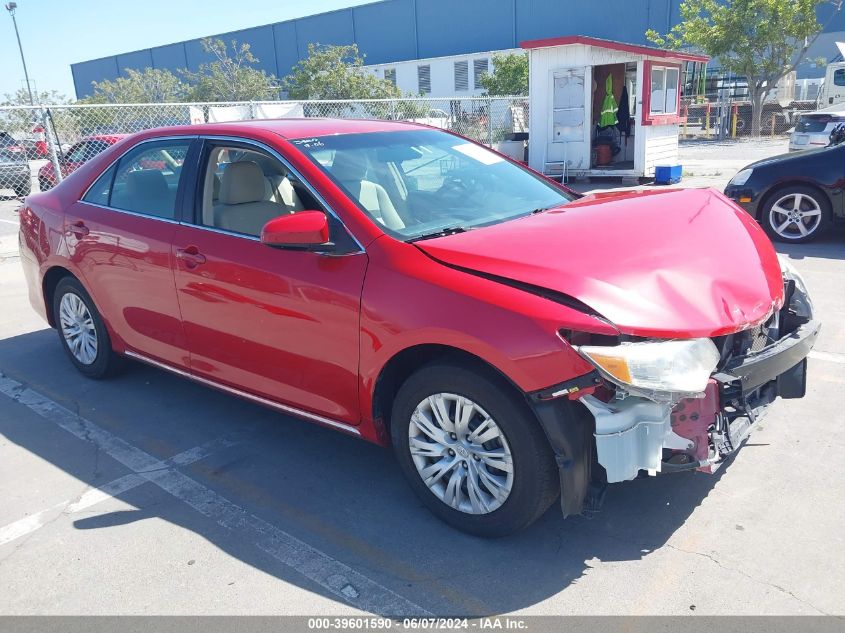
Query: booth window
{"points": [[661, 92]]}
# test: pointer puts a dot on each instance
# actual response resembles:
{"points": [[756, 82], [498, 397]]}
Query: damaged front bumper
{"points": [[633, 434], [627, 434]]}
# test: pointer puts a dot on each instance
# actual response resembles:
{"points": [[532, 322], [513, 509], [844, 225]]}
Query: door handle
{"points": [[78, 229], [191, 256]]}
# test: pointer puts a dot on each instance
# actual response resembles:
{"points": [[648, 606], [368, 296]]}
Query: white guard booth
{"points": [[567, 88]]}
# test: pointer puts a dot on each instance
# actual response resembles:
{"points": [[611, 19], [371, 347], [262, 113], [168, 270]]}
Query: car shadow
{"points": [[340, 495], [831, 245]]}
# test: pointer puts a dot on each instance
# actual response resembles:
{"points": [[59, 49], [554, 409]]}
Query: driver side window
{"points": [[243, 189]]}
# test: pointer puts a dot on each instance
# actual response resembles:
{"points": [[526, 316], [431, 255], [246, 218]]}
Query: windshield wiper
{"points": [[449, 230]]}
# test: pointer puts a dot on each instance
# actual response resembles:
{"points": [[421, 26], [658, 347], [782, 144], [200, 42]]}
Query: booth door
{"points": [[570, 122]]}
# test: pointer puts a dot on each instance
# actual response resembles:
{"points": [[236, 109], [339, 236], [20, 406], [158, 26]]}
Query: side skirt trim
{"points": [[342, 426]]}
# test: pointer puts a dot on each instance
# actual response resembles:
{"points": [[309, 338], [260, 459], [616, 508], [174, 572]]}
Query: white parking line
{"points": [[33, 522], [338, 578], [832, 357], [10, 222]]}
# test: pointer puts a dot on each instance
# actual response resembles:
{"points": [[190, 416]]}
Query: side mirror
{"points": [[304, 230]]}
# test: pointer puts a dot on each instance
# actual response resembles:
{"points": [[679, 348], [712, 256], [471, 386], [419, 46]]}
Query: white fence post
{"points": [[490, 122], [50, 133]]}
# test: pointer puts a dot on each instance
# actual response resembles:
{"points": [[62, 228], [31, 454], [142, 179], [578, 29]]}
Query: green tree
{"points": [[151, 85], [335, 72], [230, 76], [761, 40], [21, 121], [46, 97], [509, 76]]}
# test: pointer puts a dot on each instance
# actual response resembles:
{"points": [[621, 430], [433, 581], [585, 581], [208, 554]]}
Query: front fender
{"points": [[409, 300]]}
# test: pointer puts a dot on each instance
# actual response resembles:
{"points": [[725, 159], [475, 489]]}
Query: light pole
{"points": [[10, 7]]}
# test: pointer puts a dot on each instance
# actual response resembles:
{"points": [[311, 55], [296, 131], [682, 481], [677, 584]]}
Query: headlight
{"points": [[742, 177], [663, 366], [800, 303]]}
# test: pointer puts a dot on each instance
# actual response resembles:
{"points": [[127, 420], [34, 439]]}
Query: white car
{"points": [[436, 118], [813, 129]]}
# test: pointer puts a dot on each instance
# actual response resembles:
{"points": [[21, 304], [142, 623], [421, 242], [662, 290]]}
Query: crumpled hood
{"points": [[682, 263]]}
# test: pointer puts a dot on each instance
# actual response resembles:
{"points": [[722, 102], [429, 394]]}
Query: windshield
{"points": [[420, 183]]}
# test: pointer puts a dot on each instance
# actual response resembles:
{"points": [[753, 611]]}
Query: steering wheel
{"points": [[457, 183]]}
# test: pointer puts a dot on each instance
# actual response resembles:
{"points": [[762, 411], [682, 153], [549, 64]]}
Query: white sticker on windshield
{"points": [[481, 154]]}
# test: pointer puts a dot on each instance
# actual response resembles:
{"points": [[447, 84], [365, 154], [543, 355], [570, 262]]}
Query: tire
{"points": [[24, 189], [44, 184], [74, 311], [812, 219], [524, 494]]}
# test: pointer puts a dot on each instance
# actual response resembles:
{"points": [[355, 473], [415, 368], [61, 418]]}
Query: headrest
{"points": [[146, 182], [347, 167], [242, 182]]}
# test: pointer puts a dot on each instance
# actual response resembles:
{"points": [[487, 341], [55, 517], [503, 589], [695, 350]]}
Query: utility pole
{"points": [[10, 7]]}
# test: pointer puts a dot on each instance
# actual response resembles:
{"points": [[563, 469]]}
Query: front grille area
{"points": [[750, 341], [762, 336]]}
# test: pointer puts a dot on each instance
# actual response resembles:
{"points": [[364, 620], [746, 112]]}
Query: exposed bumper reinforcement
{"points": [[754, 370]]}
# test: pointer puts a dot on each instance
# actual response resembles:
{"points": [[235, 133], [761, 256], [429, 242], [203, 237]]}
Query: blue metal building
{"points": [[400, 30]]}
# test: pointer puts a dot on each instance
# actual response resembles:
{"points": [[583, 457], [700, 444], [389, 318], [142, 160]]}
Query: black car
{"points": [[795, 197], [15, 173]]}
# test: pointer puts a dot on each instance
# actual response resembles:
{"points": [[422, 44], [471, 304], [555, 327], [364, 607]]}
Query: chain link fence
{"points": [[39, 146], [724, 117]]}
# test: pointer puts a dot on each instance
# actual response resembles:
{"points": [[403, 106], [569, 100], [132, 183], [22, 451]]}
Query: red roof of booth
{"points": [[568, 40]]}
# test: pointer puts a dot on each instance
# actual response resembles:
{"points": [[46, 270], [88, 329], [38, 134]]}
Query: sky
{"points": [[58, 33]]}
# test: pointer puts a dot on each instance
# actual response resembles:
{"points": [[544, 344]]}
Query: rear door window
{"points": [[77, 153], [146, 179]]}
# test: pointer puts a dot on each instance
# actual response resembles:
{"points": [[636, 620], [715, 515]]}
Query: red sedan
{"points": [[514, 342], [76, 156]]}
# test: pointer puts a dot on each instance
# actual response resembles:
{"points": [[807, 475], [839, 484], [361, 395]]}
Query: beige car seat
{"points": [[242, 206], [146, 192], [350, 170], [280, 189]]}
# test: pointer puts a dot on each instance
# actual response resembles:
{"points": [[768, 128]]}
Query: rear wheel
{"points": [[796, 214], [44, 184], [81, 330], [472, 451]]}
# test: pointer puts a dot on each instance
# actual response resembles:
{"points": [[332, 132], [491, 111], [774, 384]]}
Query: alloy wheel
{"points": [[460, 453], [78, 328], [795, 216]]}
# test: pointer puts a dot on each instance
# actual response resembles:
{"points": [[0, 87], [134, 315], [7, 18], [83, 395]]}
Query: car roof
{"points": [[298, 128], [108, 138]]}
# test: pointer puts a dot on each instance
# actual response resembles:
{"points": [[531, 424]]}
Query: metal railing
{"points": [[41, 145]]}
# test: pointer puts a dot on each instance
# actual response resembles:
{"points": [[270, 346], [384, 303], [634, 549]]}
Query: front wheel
{"points": [[795, 214], [472, 451]]}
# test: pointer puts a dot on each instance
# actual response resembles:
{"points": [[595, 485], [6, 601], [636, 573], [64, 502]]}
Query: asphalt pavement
{"points": [[149, 494]]}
